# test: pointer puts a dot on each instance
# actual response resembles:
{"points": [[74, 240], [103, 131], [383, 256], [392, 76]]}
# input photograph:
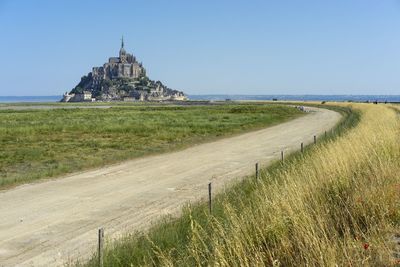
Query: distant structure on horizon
{"points": [[124, 66], [123, 78]]}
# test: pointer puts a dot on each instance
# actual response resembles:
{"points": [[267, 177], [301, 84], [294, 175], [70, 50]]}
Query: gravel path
{"points": [[49, 223]]}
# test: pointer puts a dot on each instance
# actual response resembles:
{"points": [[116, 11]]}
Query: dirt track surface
{"points": [[49, 223]]}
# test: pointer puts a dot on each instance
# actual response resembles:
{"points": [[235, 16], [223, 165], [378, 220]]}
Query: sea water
{"points": [[339, 98]]}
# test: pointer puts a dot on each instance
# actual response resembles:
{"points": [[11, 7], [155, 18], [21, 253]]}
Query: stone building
{"points": [[124, 66], [85, 96]]}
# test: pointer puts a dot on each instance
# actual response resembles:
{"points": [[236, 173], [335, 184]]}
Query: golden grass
{"points": [[338, 205]]}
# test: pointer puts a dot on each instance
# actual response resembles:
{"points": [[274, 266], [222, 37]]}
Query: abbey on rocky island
{"points": [[123, 78]]}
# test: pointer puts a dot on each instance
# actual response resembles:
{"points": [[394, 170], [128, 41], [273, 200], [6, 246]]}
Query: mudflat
{"points": [[53, 222]]}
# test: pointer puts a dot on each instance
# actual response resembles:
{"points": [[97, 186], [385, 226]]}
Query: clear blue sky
{"points": [[206, 47]]}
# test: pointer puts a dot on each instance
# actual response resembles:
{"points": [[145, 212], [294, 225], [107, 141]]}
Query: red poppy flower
{"points": [[366, 246]]}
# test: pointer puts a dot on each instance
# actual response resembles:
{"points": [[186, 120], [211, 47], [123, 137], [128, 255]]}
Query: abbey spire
{"points": [[122, 52]]}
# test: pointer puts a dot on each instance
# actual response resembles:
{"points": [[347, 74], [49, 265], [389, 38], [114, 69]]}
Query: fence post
{"points": [[101, 244], [325, 134], [282, 155], [302, 147], [209, 196], [315, 139], [257, 171]]}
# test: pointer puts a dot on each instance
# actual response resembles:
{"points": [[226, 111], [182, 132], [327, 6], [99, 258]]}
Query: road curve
{"points": [[52, 222]]}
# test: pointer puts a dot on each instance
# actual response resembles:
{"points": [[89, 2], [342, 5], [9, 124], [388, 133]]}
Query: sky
{"points": [[205, 47]]}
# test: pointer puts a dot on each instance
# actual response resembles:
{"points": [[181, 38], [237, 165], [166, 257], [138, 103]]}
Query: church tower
{"points": [[122, 52]]}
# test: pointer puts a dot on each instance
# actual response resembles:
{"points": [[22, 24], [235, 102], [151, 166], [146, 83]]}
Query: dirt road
{"points": [[48, 223]]}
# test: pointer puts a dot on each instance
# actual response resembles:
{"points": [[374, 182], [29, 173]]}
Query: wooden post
{"points": [[315, 139], [257, 172], [101, 244], [325, 134], [209, 196], [302, 147], [282, 155]]}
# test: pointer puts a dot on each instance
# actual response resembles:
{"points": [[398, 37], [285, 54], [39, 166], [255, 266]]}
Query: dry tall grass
{"points": [[338, 205]]}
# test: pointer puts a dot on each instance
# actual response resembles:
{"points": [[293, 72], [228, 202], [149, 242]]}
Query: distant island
{"points": [[123, 78]]}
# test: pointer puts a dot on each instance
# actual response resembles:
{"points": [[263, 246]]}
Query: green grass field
{"points": [[47, 143]]}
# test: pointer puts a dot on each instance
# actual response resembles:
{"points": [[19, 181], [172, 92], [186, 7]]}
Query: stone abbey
{"points": [[122, 78], [124, 66]]}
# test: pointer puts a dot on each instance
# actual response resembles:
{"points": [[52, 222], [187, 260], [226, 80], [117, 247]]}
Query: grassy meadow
{"points": [[335, 205], [40, 143]]}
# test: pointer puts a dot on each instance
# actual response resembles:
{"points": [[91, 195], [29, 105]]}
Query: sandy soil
{"points": [[52, 222]]}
